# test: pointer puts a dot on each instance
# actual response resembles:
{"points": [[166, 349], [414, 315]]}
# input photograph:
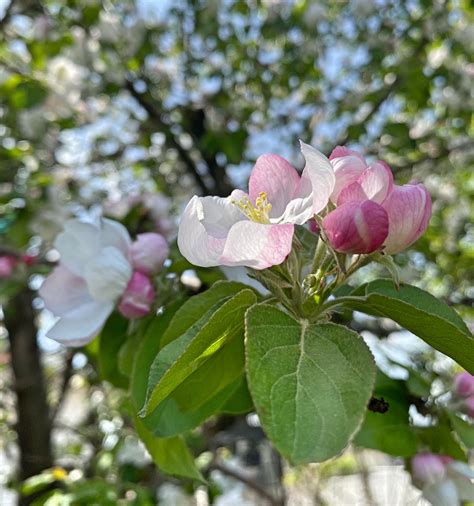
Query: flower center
{"points": [[258, 212]]}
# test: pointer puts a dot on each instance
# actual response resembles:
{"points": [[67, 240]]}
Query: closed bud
{"points": [[463, 384], [356, 227], [149, 252], [138, 297], [428, 468], [7, 263]]}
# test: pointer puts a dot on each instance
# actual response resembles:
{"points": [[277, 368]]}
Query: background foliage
{"points": [[104, 104]]}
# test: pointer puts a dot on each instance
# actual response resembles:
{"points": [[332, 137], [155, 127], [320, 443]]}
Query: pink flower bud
{"points": [[463, 384], [356, 227], [149, 252], [138, 297], [427, 468], [409, 211], [468, 406], [7, 264]]}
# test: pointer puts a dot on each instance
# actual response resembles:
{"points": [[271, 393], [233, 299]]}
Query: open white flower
{"points": [[93, 273]]}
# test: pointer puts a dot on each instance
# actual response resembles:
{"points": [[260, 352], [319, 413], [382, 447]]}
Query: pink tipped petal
{"points": [[77, 244], [351, 193], [347, 170], [203, 229], [257, 245], [276, 177], [409, 211], [62, 291], [79, 326], [314, 189], [115, 234], [356, 227], [377, 181]]}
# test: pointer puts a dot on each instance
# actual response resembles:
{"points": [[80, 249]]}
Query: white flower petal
{"points": [[77, 244], [204, 226], [62, 291], [80, 326], [442, 493], [115, 234], [108, 274], [315, 187]]}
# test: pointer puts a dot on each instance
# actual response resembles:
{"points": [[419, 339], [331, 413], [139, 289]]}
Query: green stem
{"points": [[319, 255], [339, 302]]}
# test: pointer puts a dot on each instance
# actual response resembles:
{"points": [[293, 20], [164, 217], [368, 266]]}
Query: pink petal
{"points": [[276, 177], [340, 151], [257, 245], [203, 229], [63, 291], [409, 211], [351, 193], [348, 166], [377, 181], [356, 227]]}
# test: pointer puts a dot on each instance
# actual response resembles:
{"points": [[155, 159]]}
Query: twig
{"points": [[273, 501]]}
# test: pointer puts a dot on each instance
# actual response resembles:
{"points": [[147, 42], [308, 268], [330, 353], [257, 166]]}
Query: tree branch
{"points": [[170, 138], [33, 427]]}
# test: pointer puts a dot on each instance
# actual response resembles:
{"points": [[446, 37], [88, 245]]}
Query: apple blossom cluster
{"points": [[358, 206], [444, 481], [100, 268]]}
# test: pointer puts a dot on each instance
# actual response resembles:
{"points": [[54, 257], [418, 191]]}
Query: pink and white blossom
{"points": [[138, 297], [444, 481], [149, 252], [350, 230], [94, 271], [256, 229]]}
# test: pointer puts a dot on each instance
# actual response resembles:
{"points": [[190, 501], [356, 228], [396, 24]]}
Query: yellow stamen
{"points": [[258, 212], [59, 473]]}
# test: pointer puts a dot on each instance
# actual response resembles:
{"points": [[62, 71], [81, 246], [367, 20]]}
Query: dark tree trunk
{"points": [[33, 423]]}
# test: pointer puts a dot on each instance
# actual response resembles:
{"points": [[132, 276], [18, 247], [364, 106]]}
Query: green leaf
{"points": [[440, 440], [464, 430], [216, 339], [240, 401], [112, 337], [171, 455], [170, 419], [424, 315], [147, 350], [310, 383], [196, 306], [389, 432]]}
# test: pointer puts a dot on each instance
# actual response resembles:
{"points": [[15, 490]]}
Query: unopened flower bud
{"points": [[149, 252], [463, 384], [138, 297], [427, 468], [7, 263]]}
